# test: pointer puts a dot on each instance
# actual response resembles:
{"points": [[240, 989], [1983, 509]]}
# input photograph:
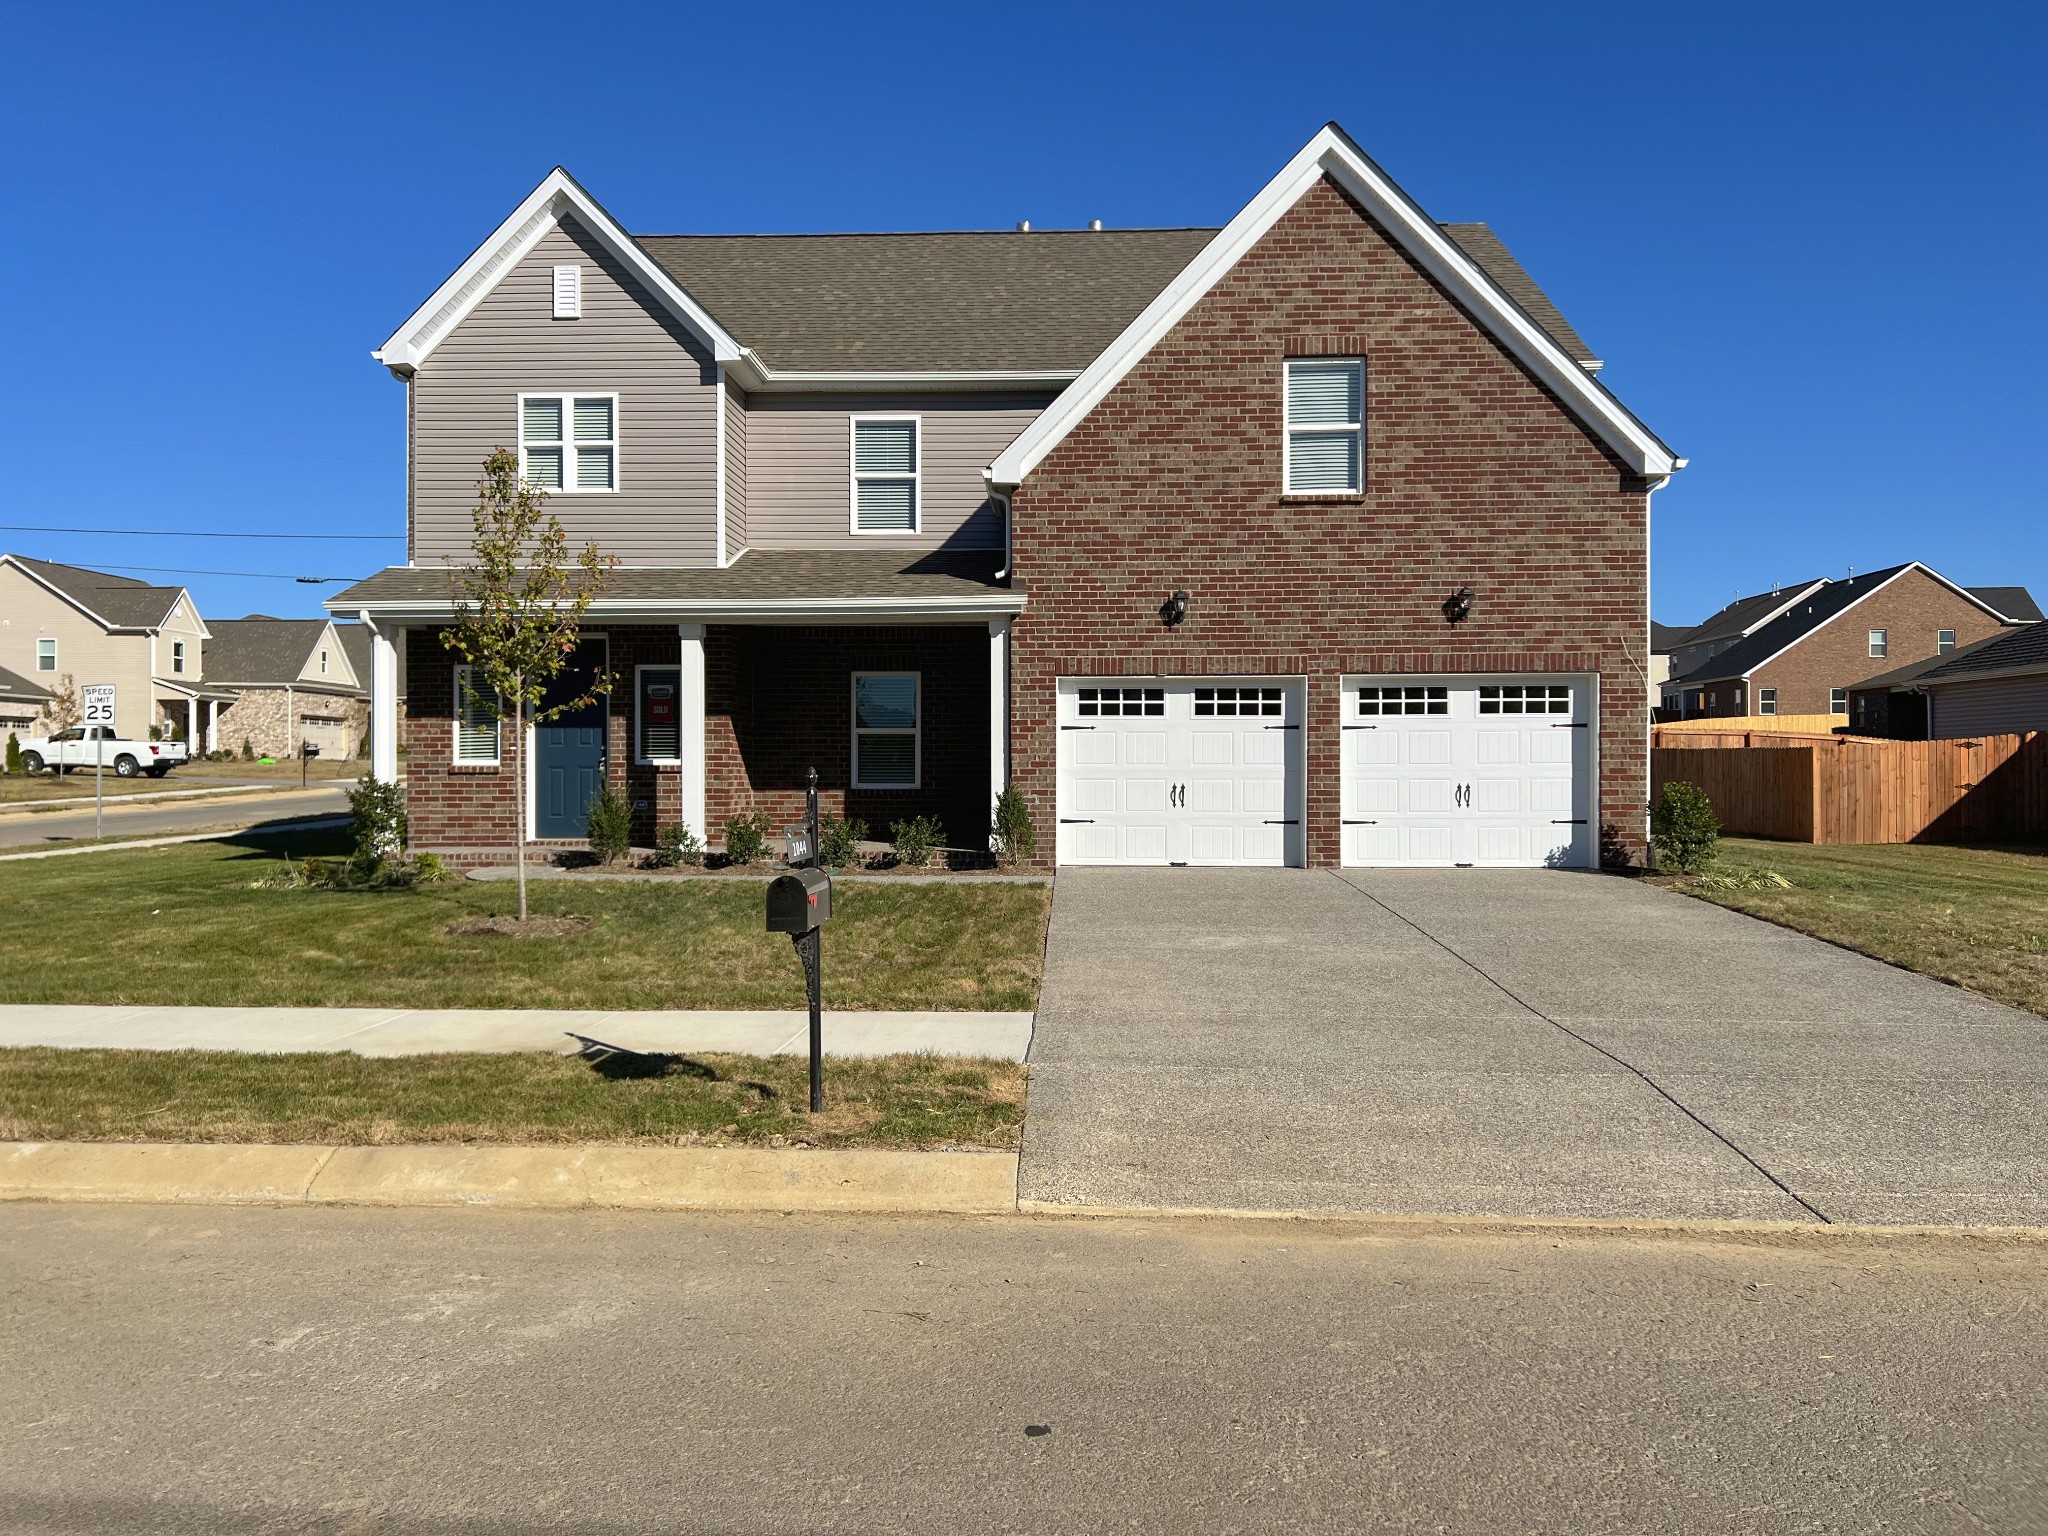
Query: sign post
{"points": [[98, 699]]}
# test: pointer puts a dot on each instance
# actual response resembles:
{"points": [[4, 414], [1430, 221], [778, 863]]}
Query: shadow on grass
{"points": [[616, 1064]]}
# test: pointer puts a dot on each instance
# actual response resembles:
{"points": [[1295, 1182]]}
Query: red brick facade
{"points": [[1475, 475]]}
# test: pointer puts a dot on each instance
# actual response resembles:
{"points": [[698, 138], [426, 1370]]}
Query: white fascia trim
{"points": [[719, 432], [758, 376], [1331, 153], [737, 610], [1784, 608], [509, 243]]}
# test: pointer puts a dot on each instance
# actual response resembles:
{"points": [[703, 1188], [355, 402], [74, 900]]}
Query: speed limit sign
{"points": [[99, 703]]}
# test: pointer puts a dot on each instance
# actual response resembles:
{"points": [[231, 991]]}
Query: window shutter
{"points": [[569, 293]]}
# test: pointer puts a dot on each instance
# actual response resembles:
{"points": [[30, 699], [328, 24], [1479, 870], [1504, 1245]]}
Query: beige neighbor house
{"points": [[60, 622], [294, 681], [21, 701]]}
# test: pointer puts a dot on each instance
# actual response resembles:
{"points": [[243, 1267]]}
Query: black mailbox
{"points": [[307, 749], [799, 901]]}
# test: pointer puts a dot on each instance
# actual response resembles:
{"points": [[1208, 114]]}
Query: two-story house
{"points": [[61, 622], [1312, 539]]}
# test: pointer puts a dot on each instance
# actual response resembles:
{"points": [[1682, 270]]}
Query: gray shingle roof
{"points": [[2025, 647], [2016, 603], [972, 300], [1666, 638], [122, 601], [760, 574], [1913, 671], [1809, 614], [19, 690], [259, 650], [1732, 620]]}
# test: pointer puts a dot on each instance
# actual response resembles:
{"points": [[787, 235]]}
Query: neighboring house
{"points": [[21, 701], [62, 621], [1688, 646], [1260, 545], [1893, 704], [294, 681], [1997, 688], [1664, 641], [1805, 656]]}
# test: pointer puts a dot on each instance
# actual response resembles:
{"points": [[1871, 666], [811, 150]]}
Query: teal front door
{"points": [[569, 751]]}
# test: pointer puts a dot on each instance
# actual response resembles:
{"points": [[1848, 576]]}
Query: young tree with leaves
{"points": [[518, 607], [63, 710]]}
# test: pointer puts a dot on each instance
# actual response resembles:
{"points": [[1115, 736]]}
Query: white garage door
{"points": [[1180, 771], [1457, 770], [326, 732]]}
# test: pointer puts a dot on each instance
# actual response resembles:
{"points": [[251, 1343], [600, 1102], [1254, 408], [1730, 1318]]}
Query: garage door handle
{"points": [[1272, 823], [1567, 725], [1575, 822], [1077, 821], [1361, 727], [1350, 823], [1077, 727], [1283, 727]]}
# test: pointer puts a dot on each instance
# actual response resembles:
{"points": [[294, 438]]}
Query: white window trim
{"points": [[1288, 428], [323, 661], [1944, 647], [856, 731], [569, 397], [1767, 701], [854, 477], [52, 639], [640, 756], [1843, 695], [463, 671], [177, 658], [1880, 644]]}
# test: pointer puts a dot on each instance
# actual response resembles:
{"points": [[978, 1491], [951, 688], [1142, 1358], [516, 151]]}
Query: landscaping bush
{"points": [[248, 752], [379, 811], [13, 753], [355, 873], [839, 840], [746, 836], [916, 841], [1683, 829], [676, 846], [609, 825], [1011, 838]]}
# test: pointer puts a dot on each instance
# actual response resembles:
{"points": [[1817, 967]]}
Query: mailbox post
{"points": [[799, 903]]}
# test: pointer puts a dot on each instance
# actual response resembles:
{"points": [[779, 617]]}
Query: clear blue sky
{"points": [[1807, 237]]}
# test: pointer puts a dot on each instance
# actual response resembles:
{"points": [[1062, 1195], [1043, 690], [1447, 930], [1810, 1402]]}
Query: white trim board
{"points": [[1332, 153]]}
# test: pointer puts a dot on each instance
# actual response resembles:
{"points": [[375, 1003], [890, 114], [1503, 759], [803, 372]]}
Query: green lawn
{"points": [[180, 924], [1977, 917], [893, 1101]]}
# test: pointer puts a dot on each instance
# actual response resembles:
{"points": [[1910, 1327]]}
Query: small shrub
{"points": [[675, 847], [427, 869], [916, 841], [746, 836], [156, 733], [379, 811], [1683, 829], [1011, 839], [1746, 880], [13, 753], [839, 840], [248, 752], [609, 825]]}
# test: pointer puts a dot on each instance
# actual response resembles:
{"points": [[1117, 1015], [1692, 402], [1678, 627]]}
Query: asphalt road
{"points": [[356, 1371], [168, 818]]}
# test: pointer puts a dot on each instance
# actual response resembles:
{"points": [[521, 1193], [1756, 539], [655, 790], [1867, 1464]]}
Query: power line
{"points": [[176, 533], [172, 570]]}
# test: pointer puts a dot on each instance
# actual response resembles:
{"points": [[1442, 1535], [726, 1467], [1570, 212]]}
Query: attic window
{"points": [[323, 663], [1325, 427], [177, 657], [569, 292]]}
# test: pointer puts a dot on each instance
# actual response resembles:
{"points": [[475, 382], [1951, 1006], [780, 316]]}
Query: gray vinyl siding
{"points": [[1997, 706], [799, 467], [735, 468], [465, 403]]}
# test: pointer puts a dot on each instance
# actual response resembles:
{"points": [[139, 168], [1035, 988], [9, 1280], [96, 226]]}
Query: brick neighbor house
{"points": [[1308, 540], [1804, 650]]}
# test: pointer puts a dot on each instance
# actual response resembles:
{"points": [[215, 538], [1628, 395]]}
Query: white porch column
{"points": [[383, 703], [998, 707], [690, 725], [213, 725]]}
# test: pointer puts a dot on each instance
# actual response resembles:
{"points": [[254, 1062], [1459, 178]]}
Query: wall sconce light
{"points": [[1458, 606], [1174, 609]]}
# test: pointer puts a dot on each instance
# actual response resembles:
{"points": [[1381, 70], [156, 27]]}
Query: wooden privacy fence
{"points": [[1851, 789]]}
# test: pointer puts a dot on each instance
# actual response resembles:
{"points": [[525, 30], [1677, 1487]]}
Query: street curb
{"points": [[572, 1177], [1409, 1223]]}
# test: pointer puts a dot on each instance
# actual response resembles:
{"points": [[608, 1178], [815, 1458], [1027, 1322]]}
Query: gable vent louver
{"points": [[569, 292]]}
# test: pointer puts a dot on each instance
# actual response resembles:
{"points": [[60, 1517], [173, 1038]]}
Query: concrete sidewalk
{"points": [[420, 1032]]}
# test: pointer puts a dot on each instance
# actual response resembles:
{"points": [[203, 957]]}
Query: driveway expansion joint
{"points": [[1659, 1089]]}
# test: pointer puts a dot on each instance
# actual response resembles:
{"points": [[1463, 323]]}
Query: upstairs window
{"points": [[1767, 701], [1838, 701], [1880, 642], [177, 658], [1325, 427], [1944, 641], [885, 737], [885, 472], [46, 655], [476, 718], [569, 443]]}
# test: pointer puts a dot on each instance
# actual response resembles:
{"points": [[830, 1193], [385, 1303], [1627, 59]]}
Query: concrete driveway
{"points": [[1527, 1043]]}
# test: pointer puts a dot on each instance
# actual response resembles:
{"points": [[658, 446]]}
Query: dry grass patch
{"points": [[1973, 916], [905, 1102]]}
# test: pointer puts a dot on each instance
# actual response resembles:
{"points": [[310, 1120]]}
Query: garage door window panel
{"points": [[886, 747]]}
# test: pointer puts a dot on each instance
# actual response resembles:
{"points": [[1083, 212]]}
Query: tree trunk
{"points": [[519, 783]]}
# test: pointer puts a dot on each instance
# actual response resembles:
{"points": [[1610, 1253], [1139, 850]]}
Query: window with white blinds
{"points": [[1325, 426], [476, 718], [885, 465], [569, 443]]}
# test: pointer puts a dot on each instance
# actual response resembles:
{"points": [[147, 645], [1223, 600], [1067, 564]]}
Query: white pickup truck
{"points": [[85, 746]]}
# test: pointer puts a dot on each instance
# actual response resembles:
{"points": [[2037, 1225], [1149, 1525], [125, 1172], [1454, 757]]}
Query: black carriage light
{"points": [[1458, 606], [1174, 609]]}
